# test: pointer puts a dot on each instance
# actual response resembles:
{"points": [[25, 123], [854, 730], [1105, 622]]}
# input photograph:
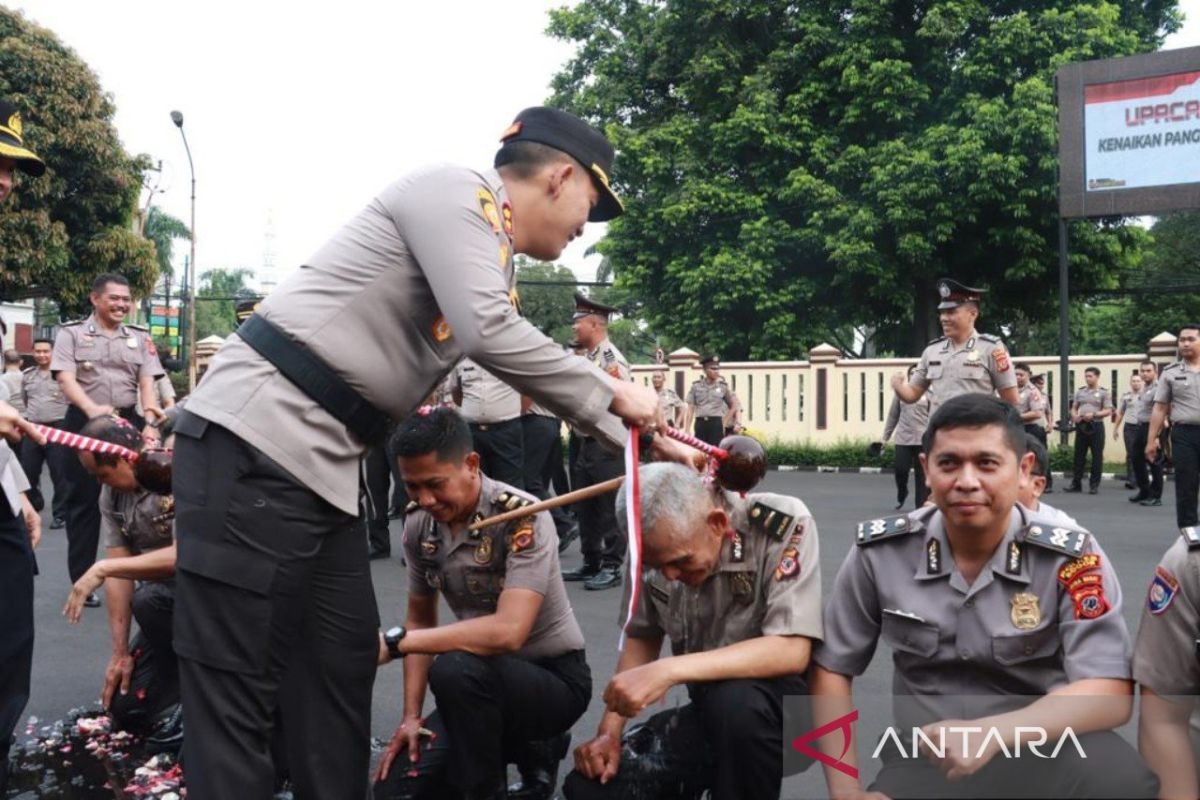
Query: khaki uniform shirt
{"points": [[767, 583], [1145, 403], [980, 365], [1165, 657], [138, 521], [1179, 387], [1094, 400], [107, 365], [1044, 612], [486, 399], [670, 404], [907, 420], [1127, 402], [472, 569], [710, 399], [44, 400], [15, 397], [1031, 399], [420, 278]]}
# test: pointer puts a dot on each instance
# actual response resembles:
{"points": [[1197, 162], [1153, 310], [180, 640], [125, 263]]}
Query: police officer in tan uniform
{"points": [[1178, 396], [46, 405], [511, 671], [601, 542], [907, 421], [735, 584], [710, 402], [1127, 405], [267, 450], [1148, 475], [1091, 404], [674, 409], [1032, 405], [102, 365], [963, 360], [493, 410], [979, 598]]}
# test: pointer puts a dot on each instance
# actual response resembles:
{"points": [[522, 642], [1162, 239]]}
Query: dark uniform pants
{"points": [[16, 629], [1185, 451], [83, 499], [544, 454], [1039, 433], [908, 457], [1089, 440], [374, 505], [728, 741], [1112, 769], [1148, 475], [33, 456], [501, 448], [155, 668], [710, 429], [600, 538], [274, 612], [488, 709]]}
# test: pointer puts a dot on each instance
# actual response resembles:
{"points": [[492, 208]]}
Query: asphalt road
{"points": [[69, 661]]}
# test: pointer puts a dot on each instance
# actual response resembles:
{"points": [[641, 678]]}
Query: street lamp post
{"points": [[177, 118]]}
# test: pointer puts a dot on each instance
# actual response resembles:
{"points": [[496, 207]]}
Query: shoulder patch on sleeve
{"points": [[771, 521], [1191, 535], [510, 501], [876, 530], [522, 537], [1068, 541]]}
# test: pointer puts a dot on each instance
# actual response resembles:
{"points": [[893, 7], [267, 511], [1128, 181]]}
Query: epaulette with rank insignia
{"points": [[511, 502], [29, 370], [935, 341], [1068, 541], [771, 521], [1191, 535], [876, 530], [73, 323], [141, 328], [987, 337], [412, 506]]}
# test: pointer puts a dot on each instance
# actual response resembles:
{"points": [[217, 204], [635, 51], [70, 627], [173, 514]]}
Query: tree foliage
{"points": [[547, 307], [60, 230], [163, 229], [796, 170], [218, 315]]}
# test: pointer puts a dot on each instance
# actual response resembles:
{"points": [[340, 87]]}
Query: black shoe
{"points": [[1139, 497], [539, 769], [1093, 490], [376, 553], [1151, 502], [584, 573], [57, 524], [900, 501], [1074, 487], [606, 578], [91, 601], [565, 540], [1129, 485]]}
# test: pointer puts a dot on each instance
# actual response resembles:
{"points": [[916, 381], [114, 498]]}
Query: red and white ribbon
{"points": [[633, 526], [77, 442]]}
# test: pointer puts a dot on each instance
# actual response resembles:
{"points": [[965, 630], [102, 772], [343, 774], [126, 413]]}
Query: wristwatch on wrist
{"points": [[391, 638]]}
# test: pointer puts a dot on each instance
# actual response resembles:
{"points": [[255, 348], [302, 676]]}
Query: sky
{"points": [[298, 115]]}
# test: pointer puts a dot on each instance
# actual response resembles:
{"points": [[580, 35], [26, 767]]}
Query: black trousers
{"points": [[1185, 451], [1148, 475], [16, 629], [83, 499], [274, 613], [155, 683], [601, 541], [33, 457], [1091, 440], [1112, 768], [501, 448], [374, 501], [488, 707], [727, 741], [1039, 433], [710, 429], [908, 458], [543, 453]]}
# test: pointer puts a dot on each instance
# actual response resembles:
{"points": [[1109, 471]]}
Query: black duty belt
{"points": [[316, 379]]}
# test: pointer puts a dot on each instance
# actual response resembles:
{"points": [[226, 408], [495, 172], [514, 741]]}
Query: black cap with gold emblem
{"points": [[576, 138], [953, 294], [585, 307], [12, 143]]}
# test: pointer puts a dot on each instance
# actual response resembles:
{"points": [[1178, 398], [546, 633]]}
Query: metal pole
{"points": [[177, 118], [1064, 338]]}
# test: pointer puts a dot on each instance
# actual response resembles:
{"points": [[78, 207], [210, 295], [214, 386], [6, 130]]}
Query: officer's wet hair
{"points": [[1041, 459], [440, 430], [105, 278], [1021, 365], [668, 491], [1092, 371], [523, 159], [114, 431], [977, 410]]}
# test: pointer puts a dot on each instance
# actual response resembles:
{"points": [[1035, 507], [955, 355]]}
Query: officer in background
{"points": [[709, 402], [1032, 404], [1039, 383], [46, 405], [541, 431], [674, 409], [1178, 396], [493, 410], [1090, 406], [1126, 404], [1148, 475], [962, 360], [979, 598], [12, 378], [908, 421], [602, 544], [735, 584], [511, 670]]}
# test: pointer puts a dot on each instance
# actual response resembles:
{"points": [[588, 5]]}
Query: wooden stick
{"points": [[554, 502]]}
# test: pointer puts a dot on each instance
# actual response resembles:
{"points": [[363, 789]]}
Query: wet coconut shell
{"points": [[745, 466], [153, 470]]}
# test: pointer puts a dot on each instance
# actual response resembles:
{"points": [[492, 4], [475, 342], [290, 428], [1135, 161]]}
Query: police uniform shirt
{"points": [[980, 365], [908, 420], [107, 364], [1031, 399], [422, 276], [539, 410], [486, 400], [139, 521], [767, 583], [473, 568], [669, 402], [44, 400], [1092, 400], [1165, 658], [1044, 611], [1179, 387], [15, 398], [711, 398], [607, 357], [1128, 401], [1145, 403]]}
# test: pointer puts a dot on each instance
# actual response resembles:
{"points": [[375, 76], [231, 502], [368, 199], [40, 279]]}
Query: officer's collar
{"points": [[93, 326], [937, 560], [967, 345], [599, 346], [483, 509]]}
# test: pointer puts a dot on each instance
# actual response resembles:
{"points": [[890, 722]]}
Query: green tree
{"points": [[547, 307], [73, 223], [163, 229], [793, 171], [218, 316]]}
